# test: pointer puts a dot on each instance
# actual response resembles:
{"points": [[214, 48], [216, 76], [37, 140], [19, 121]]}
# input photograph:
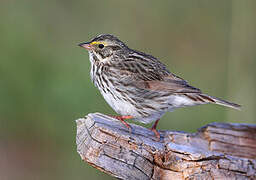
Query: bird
{"points": [[137, 85]]}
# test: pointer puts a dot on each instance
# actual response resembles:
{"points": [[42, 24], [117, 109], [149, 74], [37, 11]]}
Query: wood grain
{"points": [[216, 151]]}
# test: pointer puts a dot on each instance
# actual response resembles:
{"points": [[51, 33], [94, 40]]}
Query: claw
{"points": [[157, 134], [122, 119]]}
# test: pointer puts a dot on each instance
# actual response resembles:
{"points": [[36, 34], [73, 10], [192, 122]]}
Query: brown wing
{"points": [[146, 72], [157, 82], [170, 83]]}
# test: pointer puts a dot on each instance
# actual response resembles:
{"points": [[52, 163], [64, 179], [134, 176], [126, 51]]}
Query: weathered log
{"points": [[216, 151]]}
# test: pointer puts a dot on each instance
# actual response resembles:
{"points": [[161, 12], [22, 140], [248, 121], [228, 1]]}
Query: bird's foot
{"points": [[157, 134], [122, 119]]}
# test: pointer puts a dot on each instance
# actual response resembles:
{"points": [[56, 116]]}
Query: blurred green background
{"points": [[45, 83]]}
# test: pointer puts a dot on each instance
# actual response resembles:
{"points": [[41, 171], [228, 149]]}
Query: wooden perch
{"points": [[216, 151]]}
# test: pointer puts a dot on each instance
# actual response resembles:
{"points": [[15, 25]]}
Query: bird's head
{"points": [[104, 47]]}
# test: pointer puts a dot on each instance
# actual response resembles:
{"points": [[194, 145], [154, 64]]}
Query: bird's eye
{"points": [[101, 46]]}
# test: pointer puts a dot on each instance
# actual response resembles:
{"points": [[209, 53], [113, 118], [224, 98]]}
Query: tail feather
{"points": [[219, 101]]}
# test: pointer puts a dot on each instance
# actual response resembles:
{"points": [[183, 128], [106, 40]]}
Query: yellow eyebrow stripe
{"points": [[97, 42]]}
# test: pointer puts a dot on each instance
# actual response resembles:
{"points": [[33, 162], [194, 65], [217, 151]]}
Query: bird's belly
{"points": [[124, 107], [119, 105], [178, 101]]}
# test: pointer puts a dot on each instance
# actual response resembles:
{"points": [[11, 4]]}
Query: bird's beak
{"points": [[86, 46]]}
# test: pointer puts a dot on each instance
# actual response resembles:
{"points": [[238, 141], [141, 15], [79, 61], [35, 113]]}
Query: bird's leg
{"points": [[153, 128], [122, 119]]}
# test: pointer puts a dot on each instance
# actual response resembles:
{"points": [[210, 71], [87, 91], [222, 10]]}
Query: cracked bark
{"points": [[216, 151]]}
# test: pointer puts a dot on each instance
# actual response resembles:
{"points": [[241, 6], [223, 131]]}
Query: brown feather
{"points": [[170, 86]]}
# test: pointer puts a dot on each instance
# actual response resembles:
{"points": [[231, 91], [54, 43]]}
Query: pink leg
{"points": [[153, 128], [122, 119]]}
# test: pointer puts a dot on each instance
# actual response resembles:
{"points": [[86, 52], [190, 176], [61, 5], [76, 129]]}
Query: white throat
{"points": [[101, 60]]}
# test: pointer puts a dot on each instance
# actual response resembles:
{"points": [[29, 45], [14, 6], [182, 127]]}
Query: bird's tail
{"points": [[219, 101]]}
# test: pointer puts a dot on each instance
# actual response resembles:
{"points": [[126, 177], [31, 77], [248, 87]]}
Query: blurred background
{"points": [[44, 76]]}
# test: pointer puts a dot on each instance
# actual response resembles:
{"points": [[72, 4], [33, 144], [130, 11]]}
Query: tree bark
{"points": [[215, 151]]}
